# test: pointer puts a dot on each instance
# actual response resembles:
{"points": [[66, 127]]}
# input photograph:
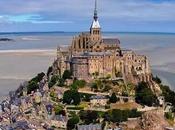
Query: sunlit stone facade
{"points": [[90, 55]]}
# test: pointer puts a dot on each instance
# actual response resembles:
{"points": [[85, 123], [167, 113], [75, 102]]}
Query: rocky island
{"points": [[92, 85], [6, 39]]}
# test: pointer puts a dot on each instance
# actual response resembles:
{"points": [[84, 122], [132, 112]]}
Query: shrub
{"points": [[157, 80], [113, 98], [169, 116]]}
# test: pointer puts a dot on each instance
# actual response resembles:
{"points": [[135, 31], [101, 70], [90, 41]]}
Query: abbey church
{"points": [[90, 55]]}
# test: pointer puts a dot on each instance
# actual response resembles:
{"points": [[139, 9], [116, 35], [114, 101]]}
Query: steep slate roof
{"points": [[87, 54], [90, 127], [98, 97], [111, 41], [95, 24]]}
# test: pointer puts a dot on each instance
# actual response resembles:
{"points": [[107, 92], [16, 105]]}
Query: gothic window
{"points": [[83, 43], [79, 43]]}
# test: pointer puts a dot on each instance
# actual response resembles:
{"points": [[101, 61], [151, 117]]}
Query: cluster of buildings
{"points": [[30, 111]]}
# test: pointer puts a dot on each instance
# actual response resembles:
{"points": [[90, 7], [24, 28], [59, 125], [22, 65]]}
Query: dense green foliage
{"points": [[145, 96], [57, 109], [169, 116], [71, 97], [75, 108], [101, 85], [54, 79], [168, 94], [33, 84], [117, 115], [113, 98], [157, 80], [80, 83], [88, 117], [39, 77], [77, 84], [72, 122], [66, 75]]}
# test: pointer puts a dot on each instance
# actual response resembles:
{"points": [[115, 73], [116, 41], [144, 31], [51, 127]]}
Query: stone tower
{"points": [[95, 30]]}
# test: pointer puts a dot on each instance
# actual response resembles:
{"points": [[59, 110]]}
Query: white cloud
{"points": [[51, 22], [29, 18], [145, 10]]}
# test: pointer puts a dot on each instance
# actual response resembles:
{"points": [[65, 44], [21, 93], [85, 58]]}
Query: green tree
{"points": [[39, 77], [130, 88], [57, 109], [71, 97], [53, 81], [50, 69], [113, 98], [61, 82], [117, 115], [80, 83], [32, 86], [94, 86], [67, 75], [88, 117]]}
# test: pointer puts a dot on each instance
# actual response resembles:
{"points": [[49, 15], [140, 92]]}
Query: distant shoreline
{"points": [[73, 32], [27, 50]]}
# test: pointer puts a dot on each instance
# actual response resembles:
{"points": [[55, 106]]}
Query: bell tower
{"points": [[95, 29]]}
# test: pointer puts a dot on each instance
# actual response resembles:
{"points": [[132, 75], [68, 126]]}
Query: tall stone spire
{"points": [[95, 23], [95, 11], [95, 29]]}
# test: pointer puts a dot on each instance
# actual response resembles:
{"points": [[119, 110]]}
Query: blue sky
{"points": [[76, 15]]}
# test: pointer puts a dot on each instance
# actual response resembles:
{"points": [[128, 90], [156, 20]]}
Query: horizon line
{"points": [[142, 32]]}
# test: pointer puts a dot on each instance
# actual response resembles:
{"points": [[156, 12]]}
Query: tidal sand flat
{"points": [[29, 54], [16, 67]]}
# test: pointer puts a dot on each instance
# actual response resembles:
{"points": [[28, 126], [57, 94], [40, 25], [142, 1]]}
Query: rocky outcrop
{"points": [[151, 120]]}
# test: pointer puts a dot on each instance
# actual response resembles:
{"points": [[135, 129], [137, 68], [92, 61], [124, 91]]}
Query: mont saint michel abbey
{"points": [[92, 55]]}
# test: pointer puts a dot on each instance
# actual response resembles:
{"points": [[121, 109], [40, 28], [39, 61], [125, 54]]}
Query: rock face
{"points": [[151, 120], [154, 120]]}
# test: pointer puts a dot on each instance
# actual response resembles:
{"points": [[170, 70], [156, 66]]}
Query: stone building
{"points": [[92, 55], [98, 100]]}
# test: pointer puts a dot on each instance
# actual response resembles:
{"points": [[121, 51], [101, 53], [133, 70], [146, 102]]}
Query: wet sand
{"points": [[20, 66]]}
